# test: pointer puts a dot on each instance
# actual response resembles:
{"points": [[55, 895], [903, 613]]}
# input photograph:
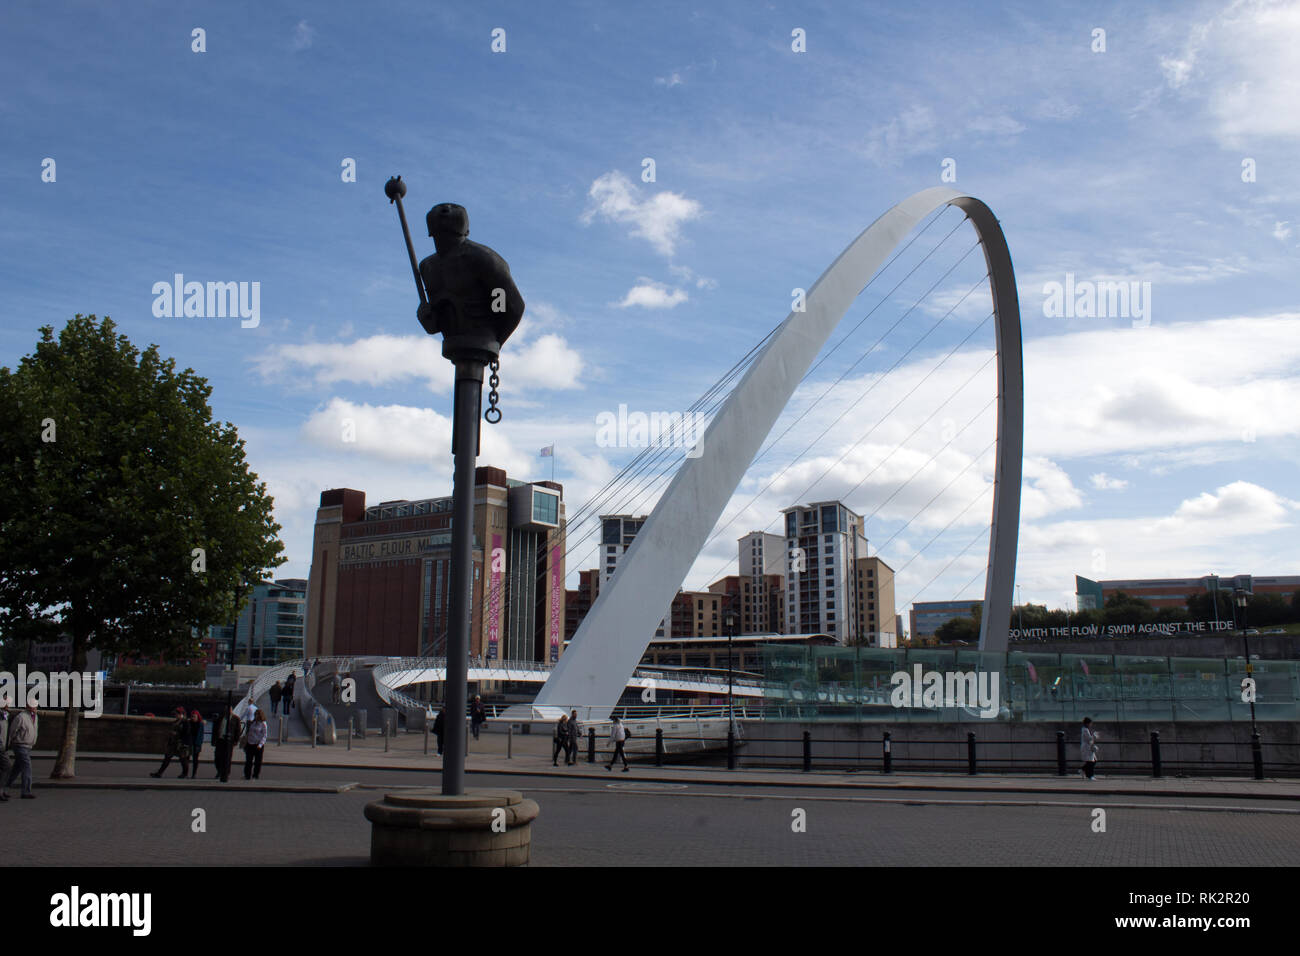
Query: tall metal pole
{"points": [[464, 446], [1245, 643], [731, 701]]}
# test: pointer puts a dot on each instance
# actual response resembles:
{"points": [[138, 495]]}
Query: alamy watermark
{"points": [[215, 300], [933, 690], [56, 691], [626, 429], [1088, 299]]}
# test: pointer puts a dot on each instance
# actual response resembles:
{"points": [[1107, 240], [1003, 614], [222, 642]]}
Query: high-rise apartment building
{"points": [[877, 622], [823, 542]]}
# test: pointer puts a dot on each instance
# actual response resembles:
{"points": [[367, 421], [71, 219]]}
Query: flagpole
{"points": [[552, 461]]}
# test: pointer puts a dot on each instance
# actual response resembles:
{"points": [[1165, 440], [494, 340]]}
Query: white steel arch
{"points": [[613, 637]]}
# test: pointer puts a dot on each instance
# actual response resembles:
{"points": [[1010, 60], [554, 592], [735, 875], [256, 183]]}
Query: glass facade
{"points": [[856, 683]]}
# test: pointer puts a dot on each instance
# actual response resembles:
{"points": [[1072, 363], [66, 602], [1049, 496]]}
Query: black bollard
{"points": [[970, 754], [888, 757], [591, 745], [1257, 754], [807, 752], [1155, 753], [659, 746], [1060, 753]]}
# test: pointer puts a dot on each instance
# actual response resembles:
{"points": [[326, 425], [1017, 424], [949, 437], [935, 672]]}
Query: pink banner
{"points": [[494, 597], [557, 598]]}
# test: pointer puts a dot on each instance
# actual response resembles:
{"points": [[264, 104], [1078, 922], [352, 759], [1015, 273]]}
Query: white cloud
{"points": [[652, 295], [400, 433], [673, 79], [1282, 231], [911, 132], [304, 34], [1104, 482], [999, 125], [1241, 63], [547, 362], [658, 219]]}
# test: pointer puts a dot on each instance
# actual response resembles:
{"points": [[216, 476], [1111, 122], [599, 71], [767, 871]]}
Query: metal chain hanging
{"points": [[494, 382]]}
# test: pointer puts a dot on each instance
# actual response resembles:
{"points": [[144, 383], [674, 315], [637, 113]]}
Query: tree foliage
{"points": [[130, 516]]}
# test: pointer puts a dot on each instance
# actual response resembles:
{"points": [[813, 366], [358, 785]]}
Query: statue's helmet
{"points": [[448, 219]]}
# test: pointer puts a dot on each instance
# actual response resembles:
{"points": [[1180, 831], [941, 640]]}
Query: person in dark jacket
{"points": [[439, 725], [477, 716], [178, 745], [575, 738], [561, 740], [225, 734], [276, 693], [196, 741], [5, 764], [287, 693]]}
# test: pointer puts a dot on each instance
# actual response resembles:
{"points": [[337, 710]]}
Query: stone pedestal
{"points": [[426, 828]]}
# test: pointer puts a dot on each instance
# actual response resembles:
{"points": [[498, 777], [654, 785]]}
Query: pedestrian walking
{"points": [[254, 743], [276, 693], [287, 693], [196, 741], [575, 738], [6, 758], [618, 736], [1089, 752], [178, 744], [21, 738], [560, 740], [439, 725], [248, 710], [220, 745], [477, 716], [336, 689]]}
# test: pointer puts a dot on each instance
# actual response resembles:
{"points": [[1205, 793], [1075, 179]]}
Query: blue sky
{"points": [[1166, 449]]}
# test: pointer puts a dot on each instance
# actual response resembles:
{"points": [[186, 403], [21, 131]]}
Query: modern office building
{"points": [[270, 629], [824, 541], [380, 575], [876, 618], [1174, 592], [926, 617]]}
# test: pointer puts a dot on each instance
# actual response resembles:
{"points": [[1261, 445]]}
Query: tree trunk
{"points": [[65, 764]]}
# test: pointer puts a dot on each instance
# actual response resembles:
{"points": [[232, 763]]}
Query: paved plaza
{"points": [[304, 813]]}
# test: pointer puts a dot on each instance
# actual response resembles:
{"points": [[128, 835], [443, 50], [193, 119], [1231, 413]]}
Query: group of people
{"points": [[17, 738], [568, 736], [283, 693], [229, 730]]}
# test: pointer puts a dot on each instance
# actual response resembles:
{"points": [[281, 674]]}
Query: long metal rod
{"points": [[466, 414]]}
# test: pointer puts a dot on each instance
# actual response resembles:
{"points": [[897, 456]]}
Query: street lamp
{"points": [[1245, 643], [1257, 754], [731, 706]]}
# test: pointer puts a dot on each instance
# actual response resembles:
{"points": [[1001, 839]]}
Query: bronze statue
{"points": [[472, 300]]}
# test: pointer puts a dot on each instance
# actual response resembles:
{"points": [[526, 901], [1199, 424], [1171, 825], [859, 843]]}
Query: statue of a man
{"points": [[473, 300]]}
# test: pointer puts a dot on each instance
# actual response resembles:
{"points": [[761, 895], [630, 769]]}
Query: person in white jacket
{"points": [[1088, 749], [21, 740], [618, 737]]}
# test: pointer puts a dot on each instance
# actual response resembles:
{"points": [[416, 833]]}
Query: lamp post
{"points": [[1245, 643], [731, 706], [468, 296]]}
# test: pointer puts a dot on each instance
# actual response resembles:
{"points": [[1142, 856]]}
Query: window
{"points": [[829, 518]]}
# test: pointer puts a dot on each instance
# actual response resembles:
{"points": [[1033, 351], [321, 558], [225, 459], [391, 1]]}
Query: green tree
{"points": [[138, 518]]}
